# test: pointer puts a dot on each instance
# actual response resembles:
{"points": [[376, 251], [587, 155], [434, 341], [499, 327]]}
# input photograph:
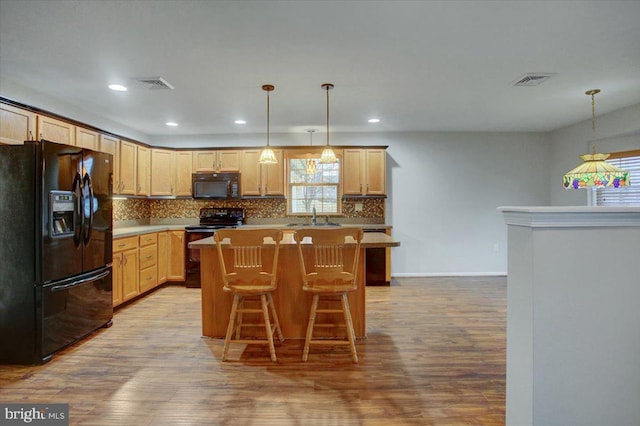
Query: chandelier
{"points": [[328, 156], [310, 165], [267, 156]]}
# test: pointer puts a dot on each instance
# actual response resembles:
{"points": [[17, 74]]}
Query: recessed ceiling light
{"points": [[374, 120], [118, 87], [240, 122], [171, 124]]}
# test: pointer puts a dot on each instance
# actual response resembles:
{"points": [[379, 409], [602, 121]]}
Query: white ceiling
{"points": [[417, 65]]}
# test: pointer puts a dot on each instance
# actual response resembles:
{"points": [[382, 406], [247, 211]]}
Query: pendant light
{"points": [[310, 165], [595, 172], [267, 155], [328, 156]]}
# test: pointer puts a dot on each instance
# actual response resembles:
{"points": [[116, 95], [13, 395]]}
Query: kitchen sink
{"points": [[317, 224]]}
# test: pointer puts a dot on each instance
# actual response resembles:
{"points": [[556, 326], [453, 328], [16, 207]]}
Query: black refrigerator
{"points": [[55, 248]]}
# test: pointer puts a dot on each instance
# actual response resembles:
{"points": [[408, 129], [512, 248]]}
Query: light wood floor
{"points": [[435, 355]]}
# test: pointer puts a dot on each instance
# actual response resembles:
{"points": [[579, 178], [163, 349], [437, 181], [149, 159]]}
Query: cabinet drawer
{"points": [[148, 256], [122, 244], [148, 278], [147, 239]]}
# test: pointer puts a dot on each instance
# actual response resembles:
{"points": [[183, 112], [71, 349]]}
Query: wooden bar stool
{"points": [[248, 263], [329, 264]]}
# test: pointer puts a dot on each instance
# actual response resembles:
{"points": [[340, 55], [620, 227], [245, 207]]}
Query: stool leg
{"points": [[349, 324], [239, 317], [230, 327], [275, 317], [267, 324], [312, 320]]}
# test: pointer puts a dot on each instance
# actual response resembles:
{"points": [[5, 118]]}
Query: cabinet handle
{"points": [[125, 260], [149, 257], [367, 188], [41, 137], [30, 135], [122, 244], [361, 188]]}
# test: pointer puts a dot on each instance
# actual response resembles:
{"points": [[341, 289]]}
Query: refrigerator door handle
{"points": [[79, 217], [97, 277], [86, 180]]}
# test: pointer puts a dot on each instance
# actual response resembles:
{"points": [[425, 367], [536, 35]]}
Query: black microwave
{"points": [[215, 185]]}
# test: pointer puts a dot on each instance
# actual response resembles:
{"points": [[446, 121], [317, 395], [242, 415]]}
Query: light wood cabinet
{"points": [[143, 171], [364, 171], [162, 172], [111, 145], [176, 256], [125, 269], [86, 138], [16, 125], [183, 170], [54, 130], [163, 257], [148, 261], [261, 179], [128, 168], [216, 161]]}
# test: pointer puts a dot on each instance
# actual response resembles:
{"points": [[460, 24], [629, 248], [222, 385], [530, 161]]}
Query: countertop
{"points": [[146, 229], [369, 240]]}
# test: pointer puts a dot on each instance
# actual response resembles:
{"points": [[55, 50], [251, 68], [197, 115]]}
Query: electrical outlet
{"points": [[358, 207]]}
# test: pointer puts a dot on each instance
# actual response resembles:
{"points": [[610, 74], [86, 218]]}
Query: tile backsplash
{"points": [[256, 209]]}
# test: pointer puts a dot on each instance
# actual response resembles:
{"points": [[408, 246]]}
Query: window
{"points": [[320, 189], [627, 196]]}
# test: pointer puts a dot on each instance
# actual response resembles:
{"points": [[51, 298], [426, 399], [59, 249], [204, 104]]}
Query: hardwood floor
{"points": [[435, 355]]}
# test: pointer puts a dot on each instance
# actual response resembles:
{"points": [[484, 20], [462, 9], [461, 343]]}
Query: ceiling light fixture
{"points": [[267, 156], [117, 88], [171, 124], [374, 120], [240, 122], [310, 165], [328, 156], [595, 172]]}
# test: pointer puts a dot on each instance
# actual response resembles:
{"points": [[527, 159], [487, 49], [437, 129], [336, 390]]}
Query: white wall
{"points": [[443, 190], [616, 131]]}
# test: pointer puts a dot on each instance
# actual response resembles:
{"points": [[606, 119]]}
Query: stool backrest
{"points": [[329, 255], [248, 256]]}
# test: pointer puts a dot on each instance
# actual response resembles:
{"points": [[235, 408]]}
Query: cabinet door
{"points": [[162, 172], [117, 278], [143, 175], [273, 175], [228, 161], [54, 130], [163, 256], [111, 145], [250, 179], [204, 161], [16, 125], [130, 274], [86, 138], [128, 171], [375, 172], [352, 171], [182, 185], [176, 256]]}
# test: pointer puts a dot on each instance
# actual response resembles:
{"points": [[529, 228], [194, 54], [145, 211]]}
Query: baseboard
{"points": [[448, 274]]}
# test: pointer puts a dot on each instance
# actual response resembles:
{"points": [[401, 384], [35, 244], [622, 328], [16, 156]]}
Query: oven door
{"points": [[75, 307]]}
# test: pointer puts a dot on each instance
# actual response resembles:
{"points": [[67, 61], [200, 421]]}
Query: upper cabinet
{"points": [[143, 175], [86, 138], [16, 125], [216, 161], [54, 130], [364, 172], [261, 179], [128, 168], [170, 172], [111, 145]]}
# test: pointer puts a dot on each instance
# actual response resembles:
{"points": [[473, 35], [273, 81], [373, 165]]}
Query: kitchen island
{"points": [[291, 302]]}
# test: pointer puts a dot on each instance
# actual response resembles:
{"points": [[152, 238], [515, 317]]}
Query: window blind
{"points": [[627, 196]]}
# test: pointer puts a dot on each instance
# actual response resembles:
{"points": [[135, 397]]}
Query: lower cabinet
{"points": [[141, 263]]}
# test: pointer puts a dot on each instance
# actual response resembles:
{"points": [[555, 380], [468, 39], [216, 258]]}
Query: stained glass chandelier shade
{"points": [[595, 172], [267, 156], [328, 156], [310, 165]]}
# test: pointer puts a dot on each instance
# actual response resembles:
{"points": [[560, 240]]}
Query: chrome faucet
{"points": [[314, 218]]}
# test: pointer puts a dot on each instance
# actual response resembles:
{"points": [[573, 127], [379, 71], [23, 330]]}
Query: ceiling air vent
{"points": [[155, 83], [533, 79]]}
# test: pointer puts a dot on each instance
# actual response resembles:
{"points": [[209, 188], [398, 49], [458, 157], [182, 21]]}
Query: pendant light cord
{"points": [[327, 88], [267, 118]]}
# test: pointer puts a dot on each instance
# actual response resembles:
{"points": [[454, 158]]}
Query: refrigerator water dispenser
{"points": [[62, 209]]}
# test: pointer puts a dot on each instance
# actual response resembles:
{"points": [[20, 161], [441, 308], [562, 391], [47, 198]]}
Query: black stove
{"points": [[211, 218]]}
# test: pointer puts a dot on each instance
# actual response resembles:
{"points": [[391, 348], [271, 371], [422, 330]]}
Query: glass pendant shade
{"points": [[311, 167], [595, 172], [328, 156], [267, 156]]}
